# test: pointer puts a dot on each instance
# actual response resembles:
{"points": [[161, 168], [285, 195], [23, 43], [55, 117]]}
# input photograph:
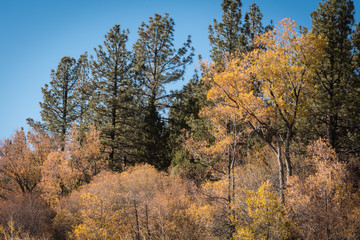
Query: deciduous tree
{"points": [[322, 202], [267, 214], [266, 87], [20, 171]]}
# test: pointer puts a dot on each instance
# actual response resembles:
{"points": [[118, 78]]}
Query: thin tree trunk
{"points": [[137, 222], [287, 153], [331, 131], [281, 170], [147, 220]]}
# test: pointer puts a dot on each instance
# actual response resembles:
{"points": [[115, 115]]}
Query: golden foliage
{"points": [[322, 202], [138, 203], [20, 165], [64, 171], [267, 85], [267, 215]]}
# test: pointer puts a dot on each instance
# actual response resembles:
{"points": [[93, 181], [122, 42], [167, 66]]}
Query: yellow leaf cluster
{"points": [[268, 84], [267, 214]]}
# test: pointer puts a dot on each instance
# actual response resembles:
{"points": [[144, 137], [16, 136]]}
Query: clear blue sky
{"points": [[36, 34]]}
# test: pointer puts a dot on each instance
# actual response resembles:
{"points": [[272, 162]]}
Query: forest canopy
{"points": [[263, 142]]}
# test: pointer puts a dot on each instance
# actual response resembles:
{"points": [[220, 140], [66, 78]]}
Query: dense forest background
{"points": [[263, 142]]}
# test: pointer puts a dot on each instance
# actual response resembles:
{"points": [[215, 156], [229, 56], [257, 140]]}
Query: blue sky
{"points": [[36, 34]]}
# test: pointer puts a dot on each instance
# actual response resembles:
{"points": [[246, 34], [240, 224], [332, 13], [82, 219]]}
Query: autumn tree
{"points": [[88, 154], [221, 149], [64, 171], [116, 96], [221, 152], [322, 201], [266, 87], [22, 157], [227, 39], [158, 63], [267, 215], [337, 81]]}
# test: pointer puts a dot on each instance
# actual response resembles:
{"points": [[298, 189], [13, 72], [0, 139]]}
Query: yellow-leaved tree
{"points": [[220, 155], [323, 202], [267, 87], [21, 161], [140, 203], [268, 219], [65, 170]]}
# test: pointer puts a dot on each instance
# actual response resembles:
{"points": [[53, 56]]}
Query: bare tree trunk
{"points": [[287, 153], [147, 220], [137, 222], [281, 170]]}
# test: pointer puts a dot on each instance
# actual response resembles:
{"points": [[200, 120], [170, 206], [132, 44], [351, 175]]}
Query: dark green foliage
{"points": [[232, 36], [154, 134], [60, 98], [253, 25], [116, 109], [85, 91], [157, 63], [184, 114], [337, 82], [227, 37], [187, 104]]}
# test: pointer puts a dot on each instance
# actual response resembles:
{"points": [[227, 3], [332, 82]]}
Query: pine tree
{"points": [[157, 63], [85, 91], [59, 98], [227, 37], [116, 100], [253, 25], [184, 114], [337, 81], [231, 36]]}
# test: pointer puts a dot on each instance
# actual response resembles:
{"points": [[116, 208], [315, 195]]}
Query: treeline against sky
{"points": [[263, 142]]}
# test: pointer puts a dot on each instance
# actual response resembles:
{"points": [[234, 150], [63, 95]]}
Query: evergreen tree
{"points": [[253, 25], [184, 114], [227, 37], [232, 36], [187, 103], [116, 100], [157, 63], [337, 82], [59, 98], [85, 91]]}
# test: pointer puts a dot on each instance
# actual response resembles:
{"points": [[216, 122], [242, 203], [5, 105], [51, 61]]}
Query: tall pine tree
{"points": [[157, 63], [227, 37], [231, 36], [85, 91], [337, 83], [60, 98], [116, 96]]}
